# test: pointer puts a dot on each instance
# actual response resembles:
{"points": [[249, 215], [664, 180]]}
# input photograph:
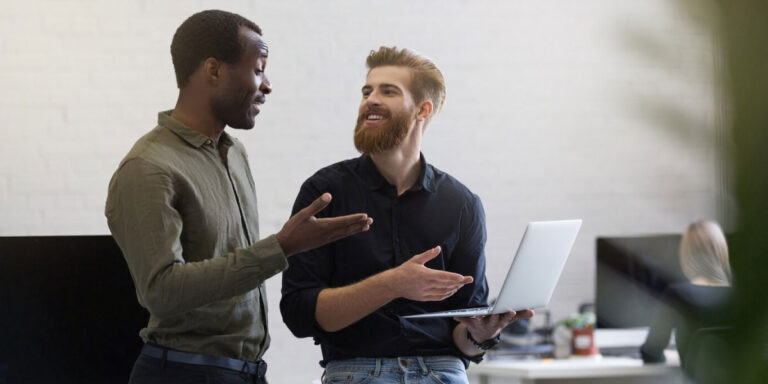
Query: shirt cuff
{"points": [[477, 358], [309, 305], [272, 260]]}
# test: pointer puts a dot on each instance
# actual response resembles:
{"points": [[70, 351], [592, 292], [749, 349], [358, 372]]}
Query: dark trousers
{"points": [[149, 370]]}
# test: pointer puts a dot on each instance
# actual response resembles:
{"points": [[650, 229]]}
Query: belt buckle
{"points": [[261, 368]]}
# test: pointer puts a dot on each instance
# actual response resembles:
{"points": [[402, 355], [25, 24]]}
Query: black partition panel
{"points": [[69, 310], [632, 272]]}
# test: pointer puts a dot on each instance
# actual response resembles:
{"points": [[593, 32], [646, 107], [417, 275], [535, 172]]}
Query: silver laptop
{"points": [[534, 272]]}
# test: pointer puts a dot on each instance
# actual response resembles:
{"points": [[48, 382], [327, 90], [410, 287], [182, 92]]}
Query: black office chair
{"points": [[704, 359]]}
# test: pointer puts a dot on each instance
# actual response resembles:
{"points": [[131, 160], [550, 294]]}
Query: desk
{"points": [[589, 369]]}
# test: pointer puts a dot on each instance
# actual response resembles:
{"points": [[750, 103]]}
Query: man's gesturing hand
{"points": [[303, 231], [412, 280]]}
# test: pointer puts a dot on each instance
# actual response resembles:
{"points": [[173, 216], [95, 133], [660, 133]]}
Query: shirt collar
{"points": [[194, 138], [373, 178]]}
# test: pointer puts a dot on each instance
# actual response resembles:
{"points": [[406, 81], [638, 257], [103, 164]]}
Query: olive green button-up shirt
{"points": [[184, 215]]}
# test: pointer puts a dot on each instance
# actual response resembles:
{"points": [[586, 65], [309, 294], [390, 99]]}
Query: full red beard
{"points": [[373, 140]]}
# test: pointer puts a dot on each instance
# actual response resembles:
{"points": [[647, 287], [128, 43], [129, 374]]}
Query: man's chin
{"points": [[244, 124], [374, 147]]}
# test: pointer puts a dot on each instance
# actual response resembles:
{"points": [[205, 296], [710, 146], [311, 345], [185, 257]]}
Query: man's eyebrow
{"points": [[385, 85]]}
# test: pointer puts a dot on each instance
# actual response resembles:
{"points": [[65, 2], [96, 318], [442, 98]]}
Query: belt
{"points": [[255, 368]]}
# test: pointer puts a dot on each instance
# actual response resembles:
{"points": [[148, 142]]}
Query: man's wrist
{"points": [[485, 344], [385, 280], [281, 242]]}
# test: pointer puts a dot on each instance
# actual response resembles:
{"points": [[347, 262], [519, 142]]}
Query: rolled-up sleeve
{"points": [[308, 273], [143, 219]]}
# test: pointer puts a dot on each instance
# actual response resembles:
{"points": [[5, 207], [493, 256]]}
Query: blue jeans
{"points": [[400, 370]]}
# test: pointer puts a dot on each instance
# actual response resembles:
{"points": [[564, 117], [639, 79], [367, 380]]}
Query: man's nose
{"points": [[266, 87], [373, 99]]}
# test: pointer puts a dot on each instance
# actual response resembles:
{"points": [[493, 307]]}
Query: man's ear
{"points": [[425, 110], [212, 70]]}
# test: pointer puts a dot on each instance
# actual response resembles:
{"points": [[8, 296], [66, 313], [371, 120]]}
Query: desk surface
{"points": [[575, 367]]}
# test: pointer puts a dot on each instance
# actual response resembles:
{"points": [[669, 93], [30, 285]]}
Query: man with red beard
{"points": [[424, 254]]}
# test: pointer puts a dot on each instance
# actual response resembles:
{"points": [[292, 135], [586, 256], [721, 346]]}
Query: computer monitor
{"points": [[69, 311], [632, 272]]}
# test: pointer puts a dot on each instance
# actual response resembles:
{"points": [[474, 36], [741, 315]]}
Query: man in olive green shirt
{"points": [[182, 207]]}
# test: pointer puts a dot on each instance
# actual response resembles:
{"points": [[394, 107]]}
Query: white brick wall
{"points": [[555, 109]]}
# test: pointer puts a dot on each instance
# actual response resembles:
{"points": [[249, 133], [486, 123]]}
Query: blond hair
{"points": [[427, 82], [704, 253]]}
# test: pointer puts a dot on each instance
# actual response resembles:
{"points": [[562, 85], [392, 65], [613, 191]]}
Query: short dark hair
{"points": [[205, 34]]}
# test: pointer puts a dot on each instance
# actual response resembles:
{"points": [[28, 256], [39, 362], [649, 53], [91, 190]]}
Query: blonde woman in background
{"points": [[704, 255], [697, 303]]}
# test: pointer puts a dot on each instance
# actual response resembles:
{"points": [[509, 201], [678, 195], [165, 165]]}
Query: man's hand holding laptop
{"points": [[489, 326]]}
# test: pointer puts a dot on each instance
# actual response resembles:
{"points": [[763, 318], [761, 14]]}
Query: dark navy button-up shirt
{"points": [[437, 210]]}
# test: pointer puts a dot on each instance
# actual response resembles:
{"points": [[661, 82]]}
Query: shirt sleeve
{"points": [[469, 257], [308, 273], [469, 260], [143, 220]]}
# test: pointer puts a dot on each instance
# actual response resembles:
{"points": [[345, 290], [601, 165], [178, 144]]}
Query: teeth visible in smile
{"points": [[375, 117]]}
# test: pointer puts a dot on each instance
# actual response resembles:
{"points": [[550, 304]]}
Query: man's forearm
{"points": [[180, 287], [463, 343], [338, 308]]}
